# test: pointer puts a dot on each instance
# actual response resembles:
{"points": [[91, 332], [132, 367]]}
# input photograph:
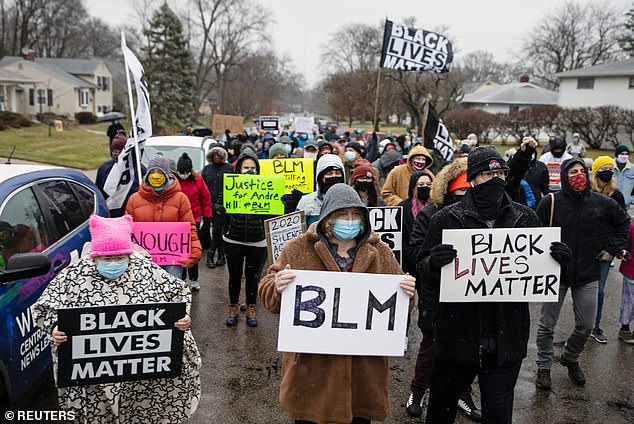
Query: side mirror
{"points": [[25, 265]]}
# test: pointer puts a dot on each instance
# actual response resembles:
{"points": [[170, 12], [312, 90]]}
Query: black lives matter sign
{"points": [[117, 343], [387, 223], [414, 49]]}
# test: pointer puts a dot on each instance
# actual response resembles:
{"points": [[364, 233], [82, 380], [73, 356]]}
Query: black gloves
{"points": [[560, 252], [218, 209], [441, 255], [291, 200]]}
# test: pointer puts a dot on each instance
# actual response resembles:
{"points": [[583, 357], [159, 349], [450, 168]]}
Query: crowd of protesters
{"points": [[476, 187]]}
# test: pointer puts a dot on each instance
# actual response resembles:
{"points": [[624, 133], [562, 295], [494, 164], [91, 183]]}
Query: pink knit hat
{"points": [[110, 236]]}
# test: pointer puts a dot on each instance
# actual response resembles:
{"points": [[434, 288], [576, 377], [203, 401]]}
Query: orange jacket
{"points": [[171, 205]]}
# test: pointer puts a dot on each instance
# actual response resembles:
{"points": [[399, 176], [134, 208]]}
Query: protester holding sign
{"points": [[396, 184], [333, 388], [160, 199], [590, 224], [475, 338], [328, 173], [245, 246], [194, 187], [113, 275]]}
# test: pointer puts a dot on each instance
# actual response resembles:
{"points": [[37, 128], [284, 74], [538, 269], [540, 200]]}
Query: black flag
{"points": [[437, 135], [413, 49]]}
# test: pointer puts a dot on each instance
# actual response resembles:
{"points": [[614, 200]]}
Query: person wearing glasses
{"points": [[486, 339]]}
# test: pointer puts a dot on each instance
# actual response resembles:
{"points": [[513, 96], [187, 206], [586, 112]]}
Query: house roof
{"points": [[10, 76], [612, 69], [48, 67], [473, 86], [516, 93], [73, 66]]}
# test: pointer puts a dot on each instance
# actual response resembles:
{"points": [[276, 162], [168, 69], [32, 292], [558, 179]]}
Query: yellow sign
{"points": [[298, 172], [253, 194]]}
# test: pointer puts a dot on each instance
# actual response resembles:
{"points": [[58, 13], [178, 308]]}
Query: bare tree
{"points": [[597, 125], [572, 37], [353, 48]]}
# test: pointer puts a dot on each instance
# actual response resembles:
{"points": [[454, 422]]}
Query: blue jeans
{"points": [[604, 269], [175, 270]]}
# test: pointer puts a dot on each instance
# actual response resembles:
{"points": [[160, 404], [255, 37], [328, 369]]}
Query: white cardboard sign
{"points": [[501, 265], [343, 313], [304, 124]]}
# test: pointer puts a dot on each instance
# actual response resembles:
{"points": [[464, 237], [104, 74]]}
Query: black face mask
{"points": [[363, 185], [488, 196], [423, 193], [557, 153], [329, 182], [605, 176]]}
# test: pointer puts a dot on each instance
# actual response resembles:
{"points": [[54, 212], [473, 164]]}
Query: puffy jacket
{"points": [[457, 326], [397, 182], [170, 205], [246, 227], [198, 195], [590, 222]]}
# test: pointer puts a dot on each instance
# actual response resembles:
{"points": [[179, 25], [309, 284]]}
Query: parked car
{"points": [[173, 146], [45, 210]]}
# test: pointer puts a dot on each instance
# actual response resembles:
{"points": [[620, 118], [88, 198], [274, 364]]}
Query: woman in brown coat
{"points": [[160, 199], [334, 388]]}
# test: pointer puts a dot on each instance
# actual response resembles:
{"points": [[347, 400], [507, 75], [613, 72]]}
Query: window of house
{"points": [[99, 109], [41, 96], [31, 97], [49, 95], [106, 83], [514, 109], [99, 87], [585, 83], [631, 82], [83, 97]]}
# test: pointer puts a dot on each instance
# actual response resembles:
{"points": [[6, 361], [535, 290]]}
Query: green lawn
{"points": [[74, 147]]}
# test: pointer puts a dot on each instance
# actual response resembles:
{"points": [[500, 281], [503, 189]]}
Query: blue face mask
{"points": [[112, 270], [350, 156], [345, 229]]}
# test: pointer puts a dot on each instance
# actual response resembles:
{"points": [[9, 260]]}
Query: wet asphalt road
{"points": [[241, 368]]}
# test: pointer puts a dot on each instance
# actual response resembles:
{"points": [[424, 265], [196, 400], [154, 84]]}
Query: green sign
{"points": [[253, 194]]}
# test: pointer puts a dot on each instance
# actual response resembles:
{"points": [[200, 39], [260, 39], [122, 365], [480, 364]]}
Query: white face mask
{"points": [[622, 158], [309, 155]]}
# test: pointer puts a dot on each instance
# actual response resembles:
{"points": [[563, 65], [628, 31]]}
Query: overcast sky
{"points": [[303, 26]]}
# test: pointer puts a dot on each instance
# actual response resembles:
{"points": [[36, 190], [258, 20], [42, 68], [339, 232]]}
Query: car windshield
{"points": [[197, 154]]}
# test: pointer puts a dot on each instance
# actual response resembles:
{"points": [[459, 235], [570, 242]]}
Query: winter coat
{"points": [[198, 195], [627, 267], [163, 400], [311, 203], [590, 222], [383, 165], [330, 388], [537, 177], [457, 326], [625, 180], [409, 265], [213, 176], [170, 205], [397, 182], [246, 227]]}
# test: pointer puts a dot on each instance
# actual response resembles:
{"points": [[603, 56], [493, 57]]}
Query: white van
{"points": [[173, 146]]}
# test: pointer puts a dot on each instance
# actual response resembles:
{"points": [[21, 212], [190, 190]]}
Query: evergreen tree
{"points": [[168, 64], [626, 41]]}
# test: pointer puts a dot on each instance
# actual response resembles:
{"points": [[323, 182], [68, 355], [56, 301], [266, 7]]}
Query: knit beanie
{"points": [[184, 164], [621, 148], [600, 161], [356, 146], [118, 142], [277, 149], [158, 161], [364, 170], [484, 158], [460, 182], [110, 236]]}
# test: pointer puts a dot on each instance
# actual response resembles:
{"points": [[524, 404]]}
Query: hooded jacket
{"points": [[385, 164], [344, 386], [170, 205], [397, 182], [458, 326], [590, 222], [311, 203], [246, 227], [213, 173]]}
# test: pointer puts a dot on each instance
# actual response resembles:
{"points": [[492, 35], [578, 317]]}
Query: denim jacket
{"points": [[625, 181]]}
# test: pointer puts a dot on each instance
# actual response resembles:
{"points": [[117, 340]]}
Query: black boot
{"points": [[221, 258], [210, 259]]}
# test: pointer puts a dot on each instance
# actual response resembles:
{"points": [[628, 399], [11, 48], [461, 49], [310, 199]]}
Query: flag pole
{"points": [[132, 114], [376, 98], [425, 113]]}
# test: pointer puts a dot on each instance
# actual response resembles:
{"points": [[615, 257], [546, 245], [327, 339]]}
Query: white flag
{"points": [[143, 118]]}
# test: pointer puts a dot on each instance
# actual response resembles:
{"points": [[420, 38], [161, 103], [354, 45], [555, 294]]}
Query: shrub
{"points": [[85, 118], [13, 120]]}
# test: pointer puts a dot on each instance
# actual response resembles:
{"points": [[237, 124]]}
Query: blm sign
{"points": [[117, 343], [387, 223], [413, 49]]}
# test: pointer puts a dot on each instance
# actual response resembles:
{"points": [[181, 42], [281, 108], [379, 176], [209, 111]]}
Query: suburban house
{"points": [[14, 89], [509, 97], [599, 85], [71, 85]]}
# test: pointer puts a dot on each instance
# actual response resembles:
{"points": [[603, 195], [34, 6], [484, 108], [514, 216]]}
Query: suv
{"points": [[43, 209], [174, 146]]}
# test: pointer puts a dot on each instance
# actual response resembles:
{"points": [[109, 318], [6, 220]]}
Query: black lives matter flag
{"points": [[437, 135], [413, 49]]}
